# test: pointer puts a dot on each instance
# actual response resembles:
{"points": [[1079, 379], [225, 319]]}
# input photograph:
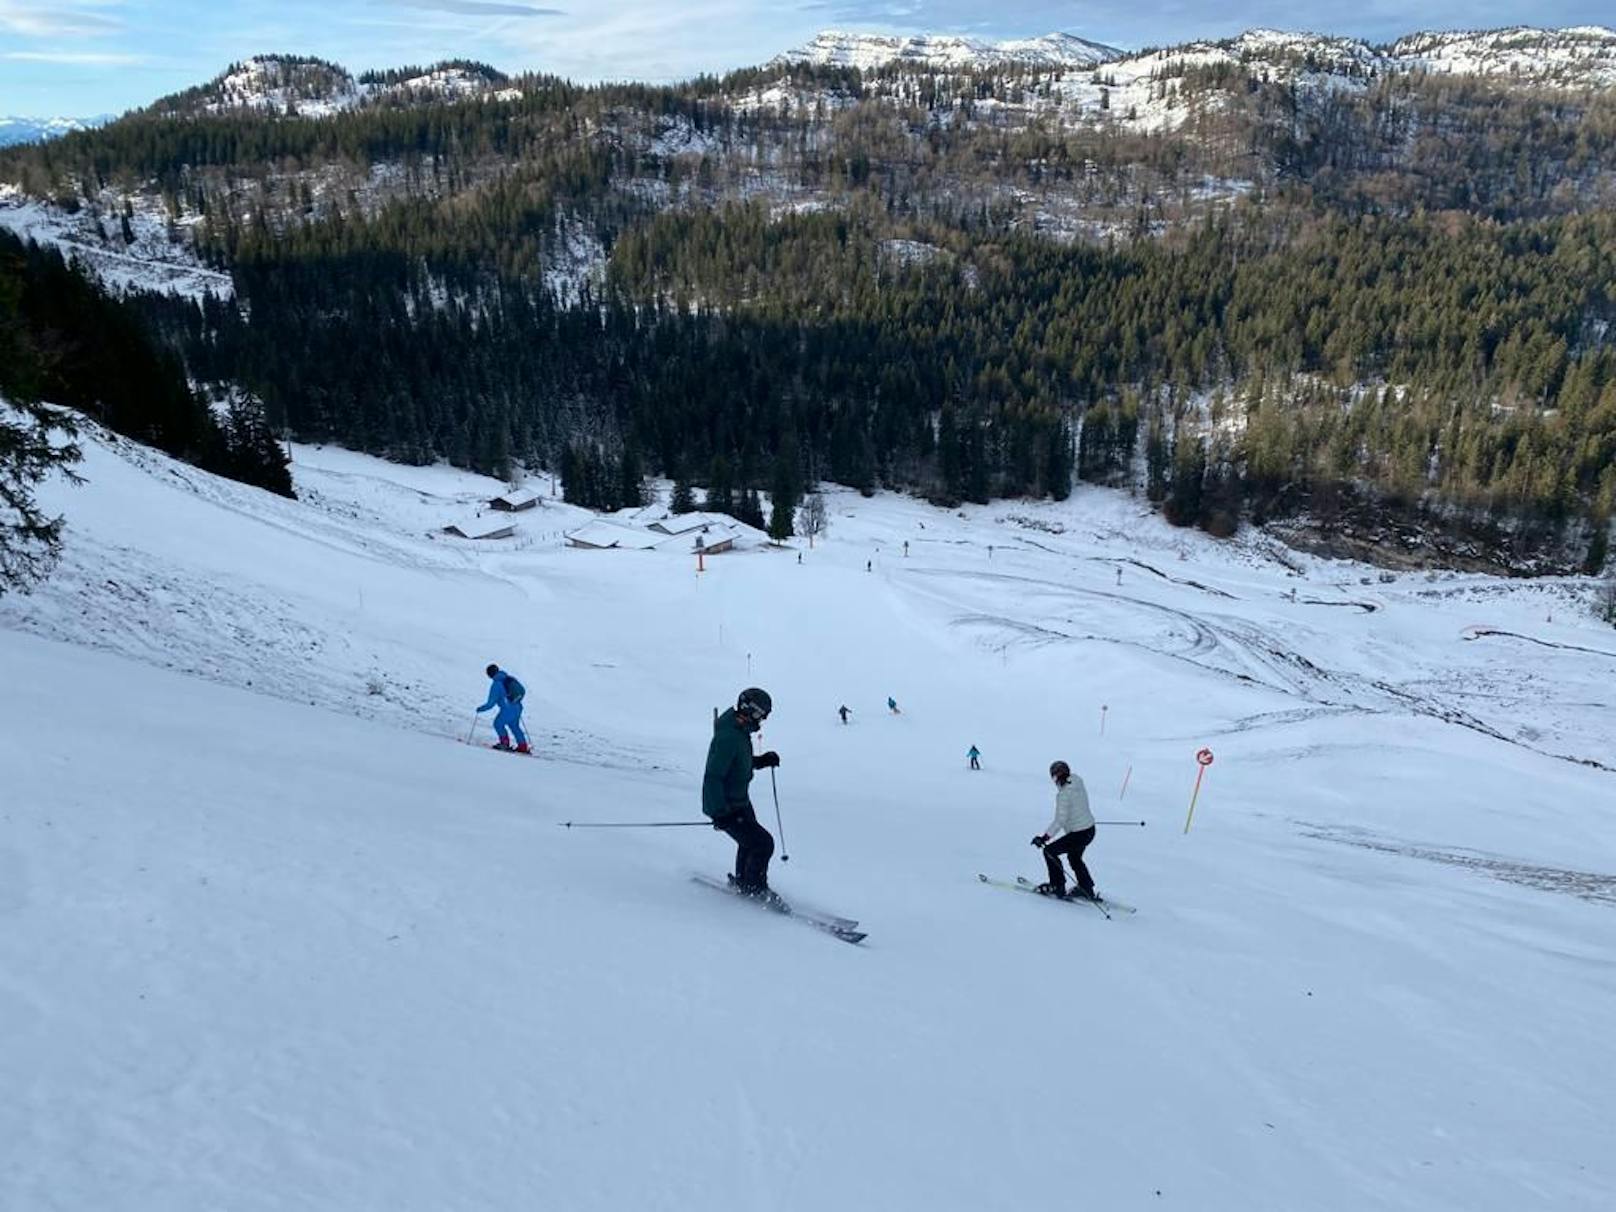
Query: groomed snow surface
{"points": [[272, 937]]}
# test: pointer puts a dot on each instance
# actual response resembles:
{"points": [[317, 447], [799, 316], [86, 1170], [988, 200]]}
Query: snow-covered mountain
{"points": [[1584, 56], [314, 88], [36, 130], [1579, 56], [835, 48]]}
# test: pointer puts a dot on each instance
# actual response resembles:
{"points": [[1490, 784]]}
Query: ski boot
{"points": [[523, 748], [1050, 890], [769, 899], [762, 893], [502, 745]]}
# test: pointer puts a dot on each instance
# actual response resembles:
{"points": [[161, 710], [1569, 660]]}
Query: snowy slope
{"points": [[313, 88], [1582, 56], [309, 88], [155, 254], [272, 937], [836, 48]]}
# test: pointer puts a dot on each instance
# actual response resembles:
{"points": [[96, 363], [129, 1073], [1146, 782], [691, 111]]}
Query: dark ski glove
{"points": [[765, 760], [1041, 840]]}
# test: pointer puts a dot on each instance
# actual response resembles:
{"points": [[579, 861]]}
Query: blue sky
{"points": [[84, 57]]}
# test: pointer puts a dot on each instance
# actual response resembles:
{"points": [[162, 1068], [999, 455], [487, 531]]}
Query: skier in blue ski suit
{"points": [[506, 693]]}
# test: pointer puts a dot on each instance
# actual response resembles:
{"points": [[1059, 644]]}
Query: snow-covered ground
{"points": [[154, 253], [271, 937], [870, 52]]}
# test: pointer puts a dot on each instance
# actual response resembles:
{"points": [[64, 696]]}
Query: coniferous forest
{"points": [[1407, 306]]}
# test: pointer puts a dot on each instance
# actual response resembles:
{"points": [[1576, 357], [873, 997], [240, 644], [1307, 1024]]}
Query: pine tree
{"points": [[30, 450], [721, 487], [630, 479], [750, 510]]}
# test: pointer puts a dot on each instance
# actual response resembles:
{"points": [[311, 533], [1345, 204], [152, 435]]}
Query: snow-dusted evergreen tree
{"points": [[29, 450], [31, 447]]}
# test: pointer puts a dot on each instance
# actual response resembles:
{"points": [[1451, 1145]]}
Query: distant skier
{"points": [[506, 693], [975, 755], [725, 794], [906, 549], [868, 565], [1074, 824], [843, 712], [892, 705]]}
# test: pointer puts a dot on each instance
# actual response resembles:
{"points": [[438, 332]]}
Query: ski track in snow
{"points": [[1586, 885], [1243, 650]]}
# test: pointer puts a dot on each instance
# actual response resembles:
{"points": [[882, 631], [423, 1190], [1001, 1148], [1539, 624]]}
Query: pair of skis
{"points": [[847, 928], [497, 749], [1023, 884], [844, 928]]}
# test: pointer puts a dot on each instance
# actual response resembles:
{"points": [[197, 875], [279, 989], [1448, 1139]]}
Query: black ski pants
{"points": [[754, 847], [1072, 846]]}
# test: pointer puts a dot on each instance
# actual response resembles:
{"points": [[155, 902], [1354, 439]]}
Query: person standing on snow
{"points": [[1074, 824], [725, 794], [975, 755], [892, 705], [843, 712], [506, 693]]}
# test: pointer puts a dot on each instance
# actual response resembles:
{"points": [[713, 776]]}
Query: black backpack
{"points": [[514, 690]]}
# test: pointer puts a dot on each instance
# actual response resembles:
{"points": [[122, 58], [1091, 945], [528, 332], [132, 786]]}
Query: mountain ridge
{"points": [[18, 128], [1576, 56]]}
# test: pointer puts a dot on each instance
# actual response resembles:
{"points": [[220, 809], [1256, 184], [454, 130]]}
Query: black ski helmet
{"points": [[1060, 772], [754, 703], [491, 670]]}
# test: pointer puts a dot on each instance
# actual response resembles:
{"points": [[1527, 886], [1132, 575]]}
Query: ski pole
{"points": [[778, 823], [1119, 822], [470, 732], [631, 824]]}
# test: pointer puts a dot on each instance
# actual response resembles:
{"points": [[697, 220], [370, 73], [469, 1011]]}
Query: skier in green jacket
{"points": [[725, 788]]}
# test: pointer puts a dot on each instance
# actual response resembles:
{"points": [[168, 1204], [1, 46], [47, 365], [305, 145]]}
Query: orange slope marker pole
{"points": [[1203, 759]]}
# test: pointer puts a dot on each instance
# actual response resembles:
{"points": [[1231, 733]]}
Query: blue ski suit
{"points": [[505, 693]]}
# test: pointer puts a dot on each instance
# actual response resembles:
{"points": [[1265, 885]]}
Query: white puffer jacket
{"points": [[1072, 813]]}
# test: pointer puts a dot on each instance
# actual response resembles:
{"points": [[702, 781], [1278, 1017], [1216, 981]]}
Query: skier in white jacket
{"points": [[1069, 833]]}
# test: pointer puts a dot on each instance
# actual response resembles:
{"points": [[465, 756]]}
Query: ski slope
{"points": [[273, 937]]}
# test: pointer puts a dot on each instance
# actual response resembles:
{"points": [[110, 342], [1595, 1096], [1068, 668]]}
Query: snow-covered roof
{"points": [[483, 528], [685, 523], [517, 498], [601, 533]]}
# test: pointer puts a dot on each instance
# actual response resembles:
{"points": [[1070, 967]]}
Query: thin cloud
{"points": [[99, 58], [483, 8], [64, 19]]}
